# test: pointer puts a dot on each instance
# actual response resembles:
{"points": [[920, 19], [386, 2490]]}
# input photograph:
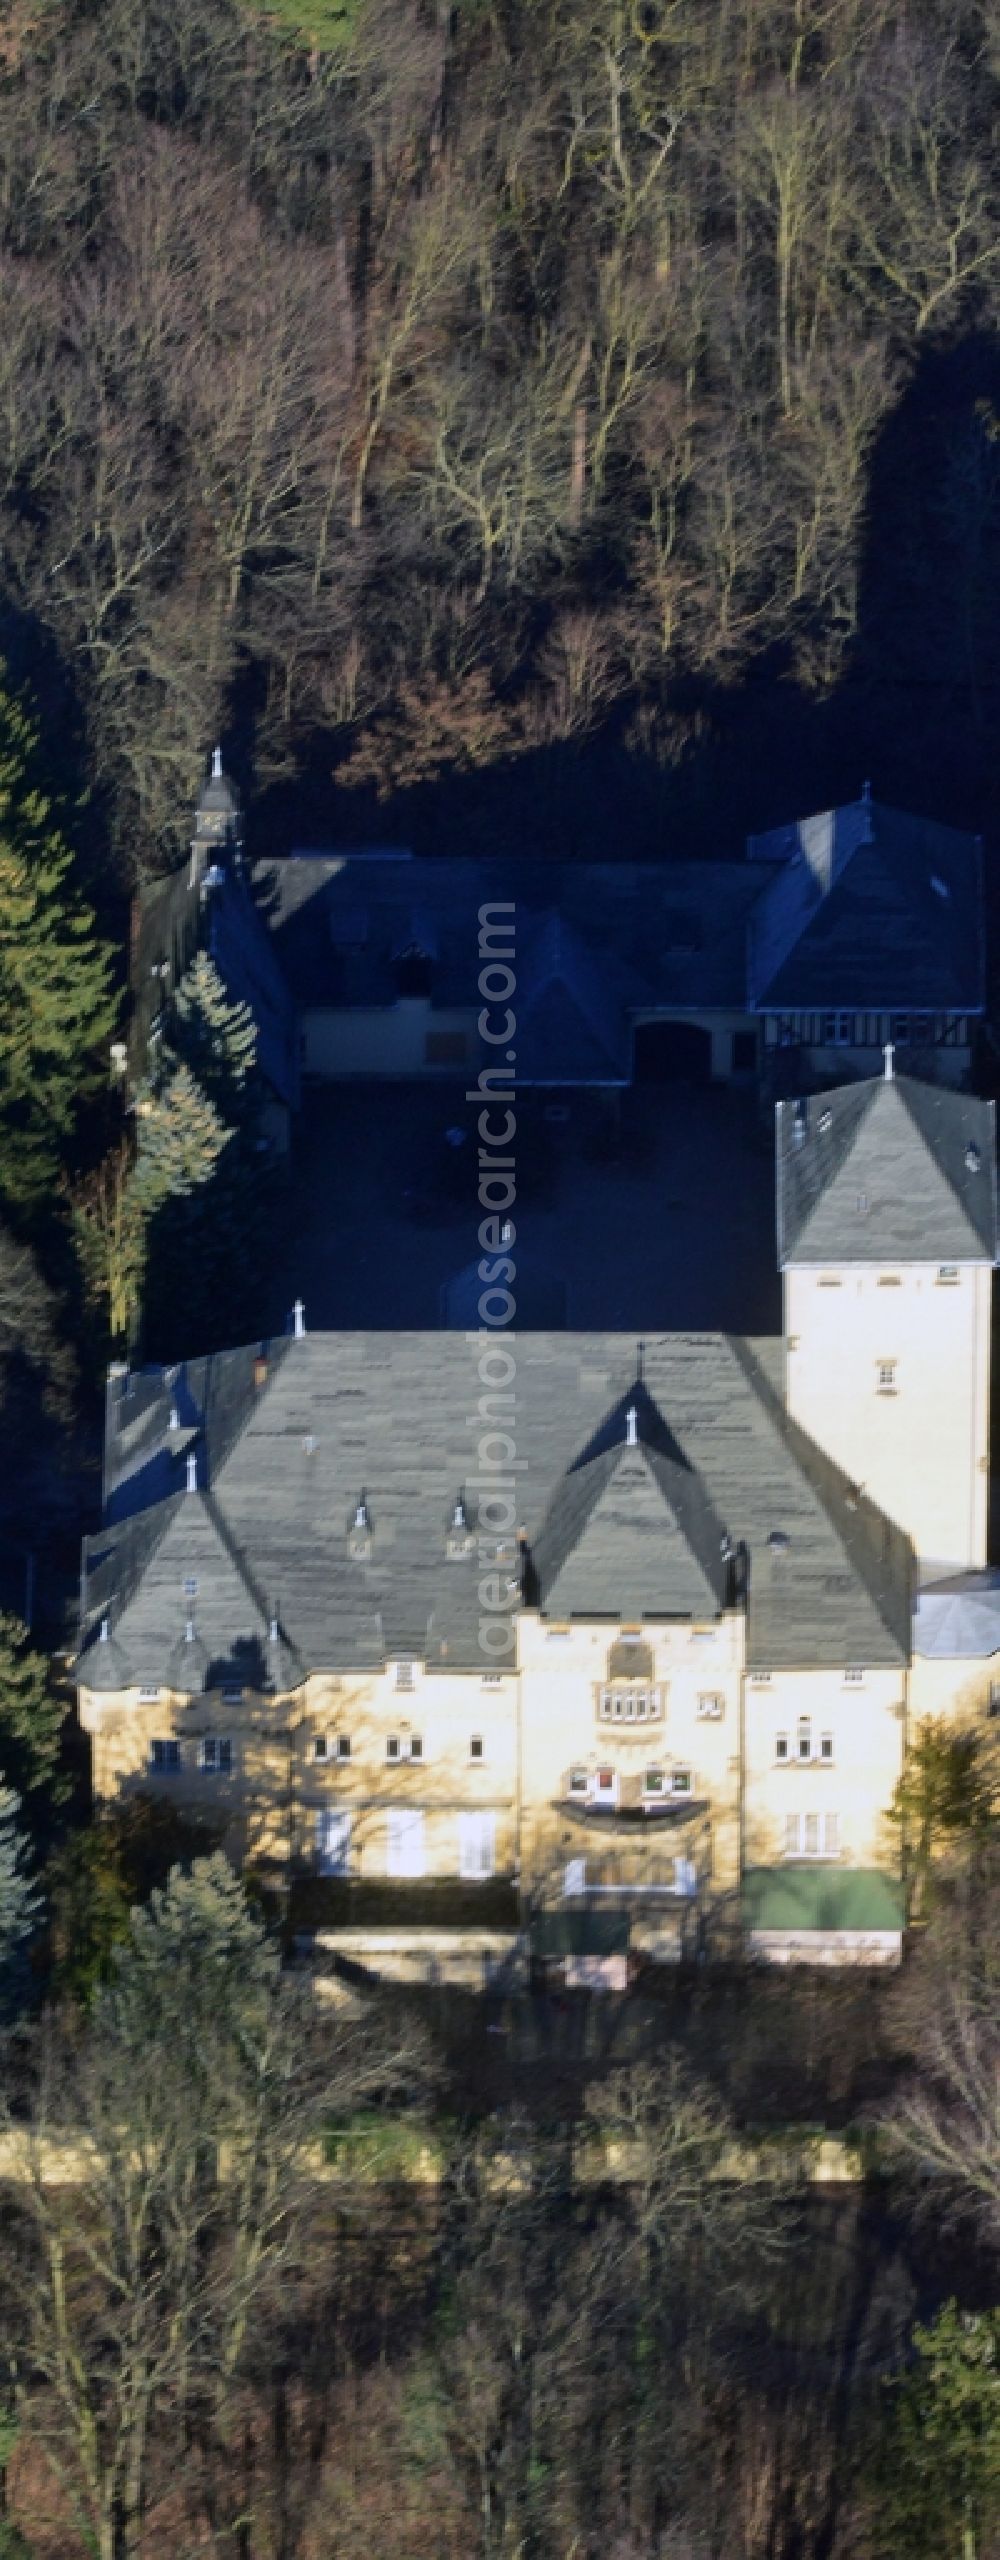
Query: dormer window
{"points": [[359, 1541], [459, 1539]]}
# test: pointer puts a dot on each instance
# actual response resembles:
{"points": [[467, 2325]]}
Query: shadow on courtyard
{"points": [[667, 1225]]}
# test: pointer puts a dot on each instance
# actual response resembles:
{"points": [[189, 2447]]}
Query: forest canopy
{"points": [[446, 381]]}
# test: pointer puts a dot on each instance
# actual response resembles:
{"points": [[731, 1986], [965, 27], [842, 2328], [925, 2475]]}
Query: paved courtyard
{"points": [[669, 1224]]}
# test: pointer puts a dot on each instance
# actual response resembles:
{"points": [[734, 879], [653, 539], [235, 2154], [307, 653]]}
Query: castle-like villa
{"points": [[640, 1625]]}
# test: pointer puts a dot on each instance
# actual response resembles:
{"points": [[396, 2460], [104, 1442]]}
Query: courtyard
{"points": [[653, 1215]]}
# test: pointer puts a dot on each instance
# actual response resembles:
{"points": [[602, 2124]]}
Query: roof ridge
{"points": [[237, 1559], [125, 1591]]}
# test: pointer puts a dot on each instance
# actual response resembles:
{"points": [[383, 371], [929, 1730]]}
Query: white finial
{"points": [[298, 1320], [175, 1419], [217, 765], [189, 1631], [105, 1629], [887, 1055], [631, 1428], [273, 1631], [192, 1471]]}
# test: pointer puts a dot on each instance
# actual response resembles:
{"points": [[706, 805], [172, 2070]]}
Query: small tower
{"points": [[887, 1238], [218, 824]]}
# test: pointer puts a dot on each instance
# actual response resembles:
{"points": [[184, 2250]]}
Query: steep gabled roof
{"points": [[572, 1022], [887, 1170], [630, 1528], [284, 1465], [868, 909]]}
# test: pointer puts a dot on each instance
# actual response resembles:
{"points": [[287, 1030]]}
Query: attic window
{"points": [[885, 1377], [190, 1587], [973, 1158], [232, 1693], [404, 1675], [948, 1275], [861, 1204]]}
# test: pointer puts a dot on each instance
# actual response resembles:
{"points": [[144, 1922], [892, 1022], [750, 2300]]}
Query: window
{"points": [[604, 1787], [216, 1755], [404, 1675], [948, 1276], [476, 1847], [575, 1878], [343, 1746], [628, 1702], [711, 1705], [416, 1746], [685, 1876], [232, 1693], [885, 1377], [164, 1758], [492, 1679], [404, 1849], [890, 1280], [760, 1679], [333, 1842], [190, 1587], [475, 1746], [652, 1782], [578, 1782], [843, 1030], [556, 1635], [994, 1703], [392, 1746], [854, 1675], [827, 1281], [781, 1746], [900, 1026], [321, 1746], [826, 1746], [812, 1835], [680, 1783], [149, 1697], [803, 1740]]}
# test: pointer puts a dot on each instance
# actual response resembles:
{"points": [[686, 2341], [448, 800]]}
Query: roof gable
{"points": [[868, 908], [630, 1528], [886, 1170]]}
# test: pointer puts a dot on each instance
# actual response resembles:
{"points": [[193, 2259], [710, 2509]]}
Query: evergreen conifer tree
{"points": [[57, 1010], [181, 1137], [31, 1717], [216, 1038]]}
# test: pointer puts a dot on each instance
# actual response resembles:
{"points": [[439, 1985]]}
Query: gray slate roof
{"points": [[887, 1171], [868, 909], [282, 1467], [634, 935]]}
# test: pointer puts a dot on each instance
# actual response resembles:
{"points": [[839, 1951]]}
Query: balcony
{"points": [[611, 1795]]}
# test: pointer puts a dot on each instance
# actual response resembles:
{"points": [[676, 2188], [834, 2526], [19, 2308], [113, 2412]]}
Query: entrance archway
{"points": [[672, 1053]]}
